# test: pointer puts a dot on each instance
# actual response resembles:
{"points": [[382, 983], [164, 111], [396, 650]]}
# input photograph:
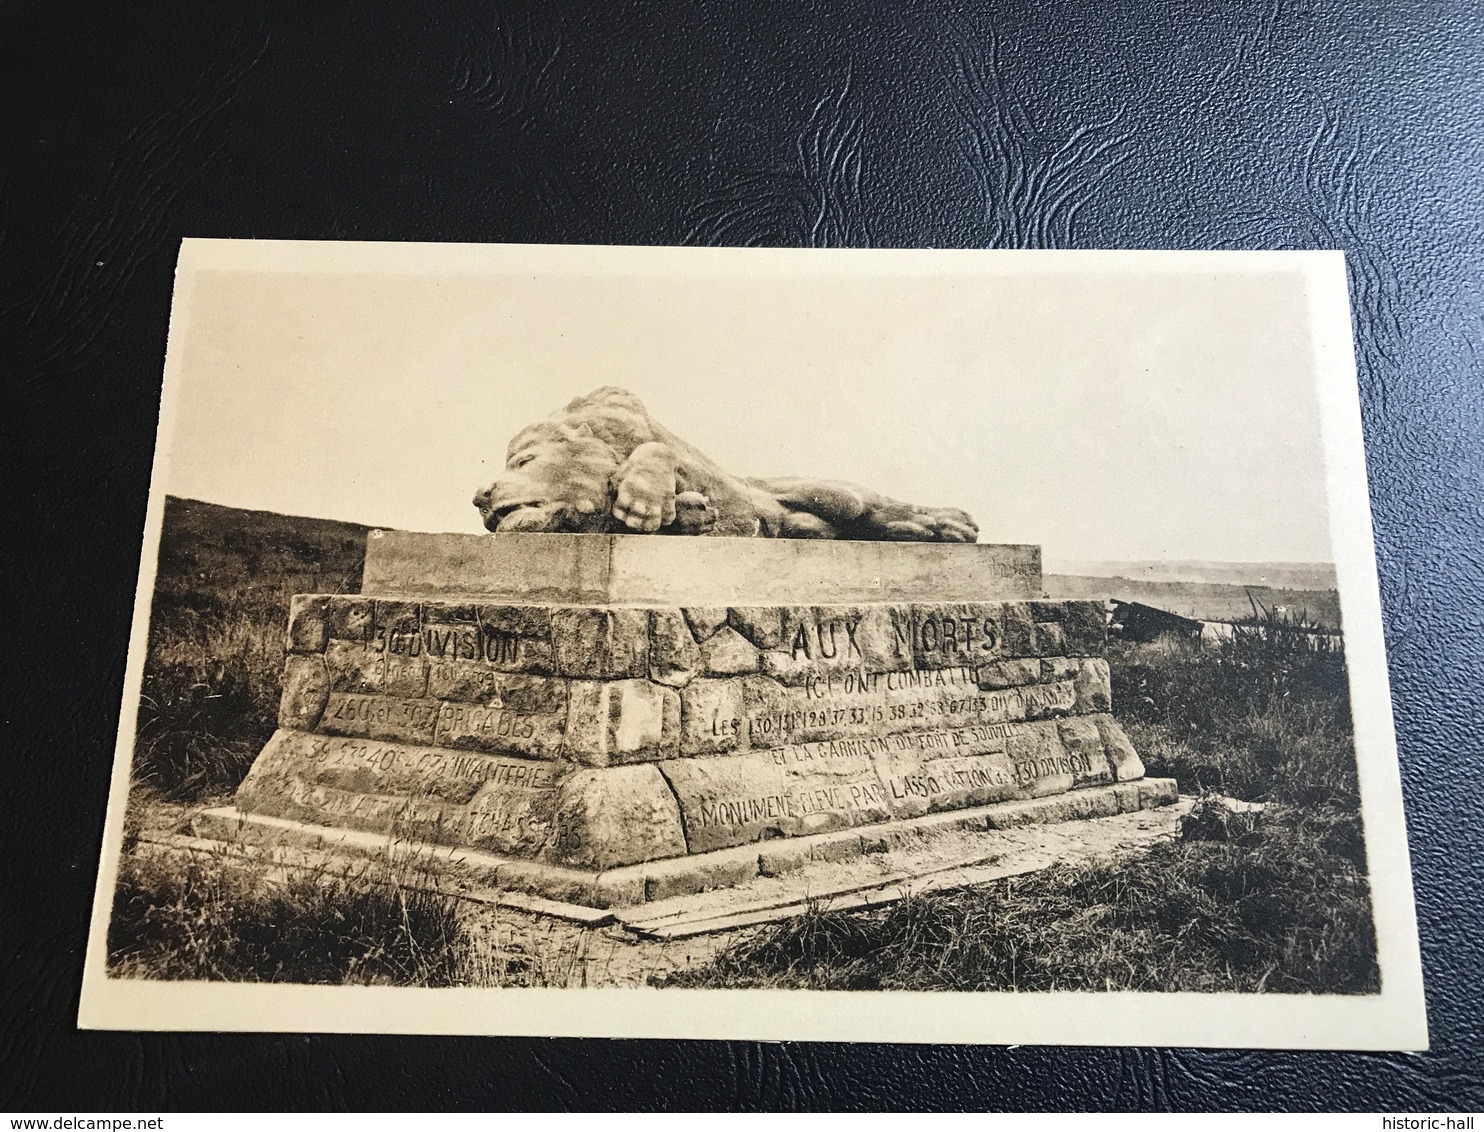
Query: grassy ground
{"points": [[213, 919], [211, 680], [208, 916], [1262, 717]]}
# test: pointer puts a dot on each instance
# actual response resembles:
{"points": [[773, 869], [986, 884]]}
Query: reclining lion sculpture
{"points": [[604, 465]]}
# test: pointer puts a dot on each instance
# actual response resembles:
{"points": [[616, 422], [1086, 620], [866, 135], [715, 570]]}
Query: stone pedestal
{"points": [[643, 569], [675, 708]]}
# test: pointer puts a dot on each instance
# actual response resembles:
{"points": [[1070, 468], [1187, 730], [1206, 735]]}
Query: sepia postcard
{"points": [[921, 646]]}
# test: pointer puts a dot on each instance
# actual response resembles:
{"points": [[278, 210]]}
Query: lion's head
{"points": [[557, 477]]}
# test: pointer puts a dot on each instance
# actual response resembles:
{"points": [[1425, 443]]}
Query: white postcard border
{"points": [[1394, 1019]]}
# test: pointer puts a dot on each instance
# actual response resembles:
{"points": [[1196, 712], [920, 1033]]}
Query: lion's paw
{"points": [[644, 489], [947, 524], [645, 501], [694, 514]]}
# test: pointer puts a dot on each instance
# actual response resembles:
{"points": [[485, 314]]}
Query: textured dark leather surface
{"points": [[1240, 124]]}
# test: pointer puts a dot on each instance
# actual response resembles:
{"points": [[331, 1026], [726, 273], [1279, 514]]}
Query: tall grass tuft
{"points": [[1262, 715], [209, 699], [217, 919]]}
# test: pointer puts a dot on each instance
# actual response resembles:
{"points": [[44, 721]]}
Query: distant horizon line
{"points": [[1061, 561]]}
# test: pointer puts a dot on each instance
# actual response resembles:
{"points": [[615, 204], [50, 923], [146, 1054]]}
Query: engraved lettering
{"points": [[850, 628], [991, 640], [833, 650], [801, 644], [929, 635]]}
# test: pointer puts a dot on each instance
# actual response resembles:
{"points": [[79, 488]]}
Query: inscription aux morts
{"points": [[967, 632], [826, 638], [944, 632], [470, 640]]}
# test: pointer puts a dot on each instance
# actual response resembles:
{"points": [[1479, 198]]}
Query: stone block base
{"points": [[634, 885], [599, 736], [618, 719]]}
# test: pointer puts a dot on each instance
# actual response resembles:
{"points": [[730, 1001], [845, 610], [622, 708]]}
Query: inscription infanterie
{"points": [[493, 802], [391, 763]]}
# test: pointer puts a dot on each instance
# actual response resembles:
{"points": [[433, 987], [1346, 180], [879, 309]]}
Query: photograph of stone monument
{"points": [[1080, 720]]}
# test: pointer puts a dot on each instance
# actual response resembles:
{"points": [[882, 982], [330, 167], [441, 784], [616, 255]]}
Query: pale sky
{"points": [[1103, 416]]}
